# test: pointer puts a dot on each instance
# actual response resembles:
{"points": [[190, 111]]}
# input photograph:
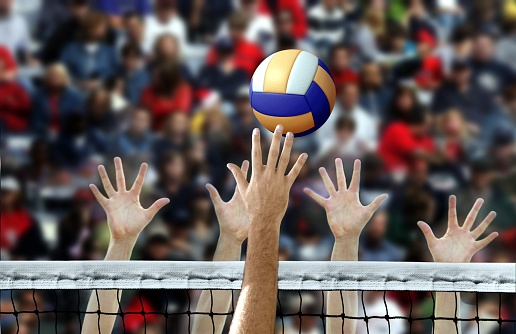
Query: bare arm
{"points": [[347, 218], [458, 245], [266, 199], [126, 219], [234, 225]]}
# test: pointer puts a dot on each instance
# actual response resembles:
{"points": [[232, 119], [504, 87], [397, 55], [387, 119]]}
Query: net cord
{"points": [[296, 275]]}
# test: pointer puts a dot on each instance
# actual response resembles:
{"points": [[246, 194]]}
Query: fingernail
{"points": [[290, 135], [305, 156], [229, 167], [256, 132], [279, 128]]}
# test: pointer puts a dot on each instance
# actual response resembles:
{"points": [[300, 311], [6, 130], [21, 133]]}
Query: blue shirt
{"points": [[83, 65], [121, 7]]}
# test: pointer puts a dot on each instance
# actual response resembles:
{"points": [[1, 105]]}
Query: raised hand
{"points": [[459, 243], [232, 215], [347, 217], [266, 195], [125, 215]]}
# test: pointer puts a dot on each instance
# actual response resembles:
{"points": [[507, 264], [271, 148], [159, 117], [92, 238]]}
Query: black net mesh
{"points": [[174, 311]]}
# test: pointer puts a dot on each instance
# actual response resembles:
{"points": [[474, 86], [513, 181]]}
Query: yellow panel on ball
{"points": [[323, 80], [278, 71], [294, 124]]}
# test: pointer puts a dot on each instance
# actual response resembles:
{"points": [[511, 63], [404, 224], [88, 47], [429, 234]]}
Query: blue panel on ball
{"points": [[280, 105], [319, 104], [323, 65]]}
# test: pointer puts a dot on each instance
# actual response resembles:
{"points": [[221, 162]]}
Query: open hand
{"points": [[125, 215], [266, 195], [347, 217], [459, 243], [232, 215]]}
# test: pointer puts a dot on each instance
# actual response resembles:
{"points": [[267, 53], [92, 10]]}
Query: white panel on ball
{"points": [[259, 74], [302, 73]]}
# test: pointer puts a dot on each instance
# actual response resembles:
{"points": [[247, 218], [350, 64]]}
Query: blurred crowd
{"points": [[426, 98]]}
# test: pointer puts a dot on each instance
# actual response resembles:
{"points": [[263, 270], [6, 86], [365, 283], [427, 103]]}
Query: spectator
{"points": [[248, 55], [116, 9], [204, 20], [486, 71], [259, 28], [14, 102], [505, 117], [366, 125], [223, 76], [15, 32], [166, 49], [137, 141], [505, 51], [9, 66], [165, 21], [326, 23], [459, 48], [481, 186], [374, 246], [286, 31], [21, 237], [340, 66], [90, 60], [99, 116], [167, 93], [133, 31], [175, 136], [374, 93], [54, 101], [64, 33], [133, 72], [368, 34], [404, 143], [403, 105], [458, 92]]}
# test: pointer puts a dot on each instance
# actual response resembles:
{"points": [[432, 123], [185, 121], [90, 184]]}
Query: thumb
{"points": [[375, 204], [214, 194], [427, 232], [239, 176], [156, 206]]}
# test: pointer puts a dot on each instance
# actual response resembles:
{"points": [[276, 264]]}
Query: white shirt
{"points": [[320, 15], [366, 127], [380, 326], [155, 28], [14, 33]]}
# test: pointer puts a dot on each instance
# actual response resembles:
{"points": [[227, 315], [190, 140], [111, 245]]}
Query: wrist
{"points": [[226, 238], [345, 249], [120, 248]]}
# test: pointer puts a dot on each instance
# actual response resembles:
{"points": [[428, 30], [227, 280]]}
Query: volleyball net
{"points": [[163, 297]]}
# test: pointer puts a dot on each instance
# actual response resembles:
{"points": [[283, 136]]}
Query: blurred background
{"points": [[426, 98]]}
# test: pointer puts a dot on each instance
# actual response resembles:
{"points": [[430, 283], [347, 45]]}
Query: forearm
{"points": [[256, 308], [344, 249], [447, 305], [107, 300], [217, 301]]}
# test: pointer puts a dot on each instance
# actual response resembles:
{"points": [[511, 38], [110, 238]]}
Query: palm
{"points": [[459, 243], [346, 215], [232, 215], [126, 217]]}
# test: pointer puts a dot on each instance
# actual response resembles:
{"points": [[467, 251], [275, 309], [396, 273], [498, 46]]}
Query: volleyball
{"points": [[293, 88]]}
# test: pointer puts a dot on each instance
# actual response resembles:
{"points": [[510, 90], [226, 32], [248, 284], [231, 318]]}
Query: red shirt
{"points": [[14, 106], [13, 226], [344, 77], [7, 58], [431, 72], [162, 106], [398, 144], [247, 56]]}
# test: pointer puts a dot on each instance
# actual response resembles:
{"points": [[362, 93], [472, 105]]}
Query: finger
{"points": [[239, 177], [482, 227], [108, 187], [375, 204], [354, 185], [120, 177], [275, 147], [341, 176], [294, 172], [256, 157], [285, 154], [214, 194], [328, 184], [156, 206], [452, 211], [98, 195], [245, 167], [472, 215], [427, 232], [138, 183], [316, 197], [486, 241]]}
